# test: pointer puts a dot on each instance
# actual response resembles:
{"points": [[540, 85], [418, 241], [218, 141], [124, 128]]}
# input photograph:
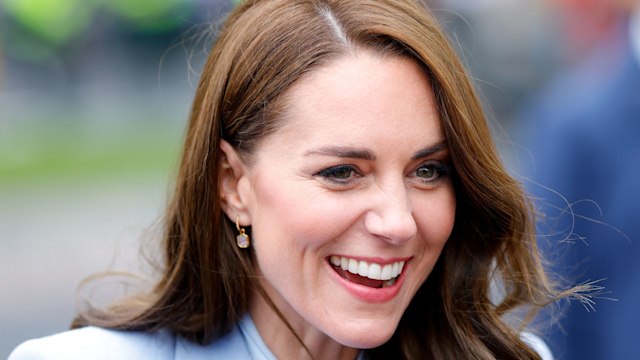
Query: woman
{"points": [[339, 196]]}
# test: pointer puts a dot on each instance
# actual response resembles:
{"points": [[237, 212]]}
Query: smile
{"points": [[365, 273]]}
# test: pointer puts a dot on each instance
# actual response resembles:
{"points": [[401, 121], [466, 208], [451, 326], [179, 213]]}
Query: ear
{"points": [[234, 185]]}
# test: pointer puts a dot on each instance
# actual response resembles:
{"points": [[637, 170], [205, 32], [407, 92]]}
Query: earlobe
{"points": [[233, 184]]}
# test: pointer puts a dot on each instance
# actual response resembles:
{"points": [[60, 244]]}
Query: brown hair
{"points": [[264, 47]]}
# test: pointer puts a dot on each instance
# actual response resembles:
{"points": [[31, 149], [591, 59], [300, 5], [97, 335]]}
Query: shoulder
{"points": [[103, 344], [97, 343], [537, 344]]}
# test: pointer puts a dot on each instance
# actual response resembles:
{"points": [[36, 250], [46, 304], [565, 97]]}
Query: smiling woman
{"points": [[367, 202], [339, 197]]}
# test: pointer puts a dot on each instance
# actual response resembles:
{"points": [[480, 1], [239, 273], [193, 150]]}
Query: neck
{"points": [[283, 343]]}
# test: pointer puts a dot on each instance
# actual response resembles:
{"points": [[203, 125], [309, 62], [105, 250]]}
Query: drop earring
{"points": [[242, 240]]}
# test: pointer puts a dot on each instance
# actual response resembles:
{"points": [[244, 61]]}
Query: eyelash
{"points": [[330, 174], [441, 170]]}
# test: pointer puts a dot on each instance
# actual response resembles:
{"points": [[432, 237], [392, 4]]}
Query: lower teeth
{"points": [[389, 282]]}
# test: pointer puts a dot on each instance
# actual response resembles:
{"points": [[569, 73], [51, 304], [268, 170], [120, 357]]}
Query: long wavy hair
{"points": [[263, 48]]}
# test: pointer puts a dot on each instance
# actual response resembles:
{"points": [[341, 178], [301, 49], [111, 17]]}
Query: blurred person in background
{"points": [[583, 133]]}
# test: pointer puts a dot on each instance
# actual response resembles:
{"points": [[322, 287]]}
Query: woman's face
{"points": [[350, 201]]}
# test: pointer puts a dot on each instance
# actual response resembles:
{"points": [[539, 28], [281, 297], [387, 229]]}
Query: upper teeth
{"points": [[370, 270]]}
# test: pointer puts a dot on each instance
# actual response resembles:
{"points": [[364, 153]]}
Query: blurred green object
{"points": [[54, 152], [56, 21], [59, 21], [154, 15]]}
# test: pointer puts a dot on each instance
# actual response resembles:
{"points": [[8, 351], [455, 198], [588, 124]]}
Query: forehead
{"points": [[359, 98]]}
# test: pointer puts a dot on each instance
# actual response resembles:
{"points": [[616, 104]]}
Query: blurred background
{"points": [[94, 97]]}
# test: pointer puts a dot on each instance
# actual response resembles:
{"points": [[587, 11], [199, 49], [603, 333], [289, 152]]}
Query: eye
{"points": [[431, 171], [426, 172], [341, 174]]}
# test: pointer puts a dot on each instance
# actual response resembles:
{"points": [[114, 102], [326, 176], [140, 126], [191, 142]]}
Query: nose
{"points": [[390, 216]]}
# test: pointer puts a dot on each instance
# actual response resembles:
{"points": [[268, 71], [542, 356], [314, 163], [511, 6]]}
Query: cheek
{"points": [[435, 218], [296, 216], [319, 223]]}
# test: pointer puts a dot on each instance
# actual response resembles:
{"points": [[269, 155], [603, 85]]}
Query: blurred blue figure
{"points": [[584, 138]]}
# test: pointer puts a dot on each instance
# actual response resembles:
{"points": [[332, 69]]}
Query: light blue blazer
{"points": [[244, 342]]}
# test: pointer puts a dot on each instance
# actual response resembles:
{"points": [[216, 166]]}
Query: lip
{"points": [[369, 294]]}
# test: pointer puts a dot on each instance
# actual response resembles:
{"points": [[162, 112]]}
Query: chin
{"points": [[365, 337]]}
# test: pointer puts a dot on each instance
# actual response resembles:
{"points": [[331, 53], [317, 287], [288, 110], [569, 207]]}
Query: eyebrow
{"points": [[343, 152], [365, 154], [430, 150]]}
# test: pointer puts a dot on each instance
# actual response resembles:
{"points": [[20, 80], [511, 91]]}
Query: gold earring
{"points": [[242, 240]]}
